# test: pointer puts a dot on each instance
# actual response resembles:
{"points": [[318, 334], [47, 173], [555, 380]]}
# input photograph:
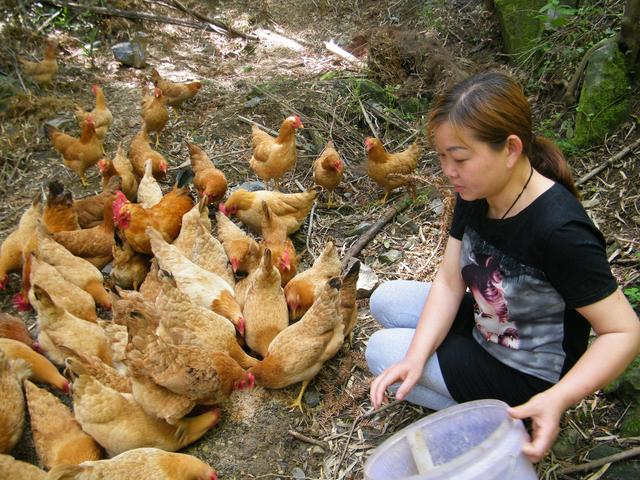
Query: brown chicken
{"points": [[195, 218], [121, 166], [166, 216], [78, 154], [140, 463], [57, 436], [306, 286], [272, 157], [175, 93], [382, 164], [60, 328], [185, 323], [274, 237], [293, 208], [265, 309], [328, 170], [11, 248], [209, 254], [129, 268], [300, 350], [118, 423], [59, 214], [154, 112], [149, 192], [201, 286], [242, 250], [12, 406], [41, 369], [209, 181], [101, 114], [93, 244], [150, 288], [90, 209], [140, 151], [18, 470], [42, 72], [348, 297], [93, 366], [14, 328]]}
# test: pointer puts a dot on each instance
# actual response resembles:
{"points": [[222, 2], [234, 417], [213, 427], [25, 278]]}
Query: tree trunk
{"points": [[630, 33]]}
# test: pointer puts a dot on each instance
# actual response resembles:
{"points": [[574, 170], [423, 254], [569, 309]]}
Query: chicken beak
{"points": [[240, 326], [234, 264]]}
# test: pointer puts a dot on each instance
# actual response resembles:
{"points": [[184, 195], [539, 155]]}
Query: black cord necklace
{"points": [[519, 195]]}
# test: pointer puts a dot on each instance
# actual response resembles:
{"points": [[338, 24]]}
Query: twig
{"points": [[373, 230], [310, 229], [222, 27], [253, 122], [384, 407], [584, 467], [367, 119], [310, 440], [336, 49], [621, 154], [570, 93], [49, 20]]}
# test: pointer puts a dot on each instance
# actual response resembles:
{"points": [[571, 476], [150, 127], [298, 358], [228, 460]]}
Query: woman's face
{"points": [[474, 169]]}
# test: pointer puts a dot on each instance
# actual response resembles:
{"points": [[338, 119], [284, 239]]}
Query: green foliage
{"points": [[554, 14], [633, 294]]}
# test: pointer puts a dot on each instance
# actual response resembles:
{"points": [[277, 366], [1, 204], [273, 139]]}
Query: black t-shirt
{"points": [[528, 273]]}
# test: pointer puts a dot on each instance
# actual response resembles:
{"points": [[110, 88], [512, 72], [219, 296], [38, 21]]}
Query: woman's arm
{"points": [[617, 344], [435, 321]]}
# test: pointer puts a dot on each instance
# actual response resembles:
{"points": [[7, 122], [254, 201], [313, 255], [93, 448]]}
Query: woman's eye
{"points": [[460, 160]]}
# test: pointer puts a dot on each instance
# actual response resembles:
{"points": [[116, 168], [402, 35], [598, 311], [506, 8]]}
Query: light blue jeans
{"points": [[397, 305]]}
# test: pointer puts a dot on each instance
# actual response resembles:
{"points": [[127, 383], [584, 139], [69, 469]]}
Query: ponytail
{"points": [[547, 158]]}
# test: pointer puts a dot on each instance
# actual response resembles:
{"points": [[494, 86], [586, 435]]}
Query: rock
{"points": [[390, 256], [604, 98], [252, 102], [437, 206], [520, 23], [359, 229], [630, 426], [298, 474], [252, 186], [566, 444], [627, 386], [370, 90], [132, 53], [312, 397], [623, 470], [367, 281]]}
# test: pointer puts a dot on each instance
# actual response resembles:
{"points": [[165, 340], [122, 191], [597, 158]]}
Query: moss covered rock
{"points": [[604, 98], [520, 23], [631, 424], [627, 386], [371, 90]]}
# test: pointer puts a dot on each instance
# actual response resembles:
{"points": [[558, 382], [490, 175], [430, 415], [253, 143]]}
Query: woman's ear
{"points": [[514, 149]]}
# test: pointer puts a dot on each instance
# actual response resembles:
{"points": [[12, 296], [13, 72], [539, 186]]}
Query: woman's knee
{"points": [[386, 347], [374, 353], [398, 303]]}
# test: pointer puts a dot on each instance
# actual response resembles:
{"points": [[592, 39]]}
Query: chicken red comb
{"points": [[240, 326], [118, 203], [94, 89], [21, 303], [252, 380], [213, 476], [3, 282], [222, 209]]}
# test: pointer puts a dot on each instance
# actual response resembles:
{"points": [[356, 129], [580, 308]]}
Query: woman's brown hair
{"points": [[492, 106]]}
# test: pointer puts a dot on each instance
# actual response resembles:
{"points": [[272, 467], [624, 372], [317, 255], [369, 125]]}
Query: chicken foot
{"points": [[298, 401]]}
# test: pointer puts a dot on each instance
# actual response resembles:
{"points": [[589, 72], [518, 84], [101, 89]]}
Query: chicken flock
{"points": [[198, 308]]}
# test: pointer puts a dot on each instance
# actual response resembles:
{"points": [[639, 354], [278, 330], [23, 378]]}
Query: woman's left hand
{"points": [[545, 413]]}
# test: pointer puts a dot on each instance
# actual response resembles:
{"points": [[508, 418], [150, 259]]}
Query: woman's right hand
{"points": [[406, 371]]}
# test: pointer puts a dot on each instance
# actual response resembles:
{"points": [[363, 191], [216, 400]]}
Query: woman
{"points": [[523, 279]]}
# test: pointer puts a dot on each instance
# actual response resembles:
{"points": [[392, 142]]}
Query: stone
{"points": [[252, 186], [622, 470], [370, 90], [311, 397], [630, 426], [132, 53], [627, 386], [367, 281], [566, 444], [604, 98], [298, 474], [390, 256], [520, 23], [253, 102], [436, 206]]}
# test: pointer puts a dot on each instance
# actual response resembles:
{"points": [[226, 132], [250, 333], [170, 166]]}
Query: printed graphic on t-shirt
{"points": [[518, 314]]}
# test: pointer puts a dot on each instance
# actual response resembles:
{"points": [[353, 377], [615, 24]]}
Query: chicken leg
{"points": [[298, 401]]}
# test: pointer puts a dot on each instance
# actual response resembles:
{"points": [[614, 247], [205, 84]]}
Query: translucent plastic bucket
{"points": [[470, 441]]}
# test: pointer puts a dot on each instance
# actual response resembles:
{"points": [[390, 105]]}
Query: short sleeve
{"points": [[576, 264], [458, 224]]}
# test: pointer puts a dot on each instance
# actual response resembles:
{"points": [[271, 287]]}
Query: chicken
{"points": [[150, 288], [121, 166], [305, 287], [90, 209], [60, 328], [57, 436], [140, 151], [154, 112], [149, 192], [328, 170], [209, 254], [41, 369], [78, 154], [191, 222], [300, 350], [272, 157], [274, 237], [265, 309], [80, 272], [101, 114], [59, 215], [66, 294], [209, 181], [129, 268], [381, 165], [201, 286], [165, 217], [93, 244], [42, 72], [13, 469], [348, 306], [175, 93], [183, 322], [13, 328], [11, 248], [138, 464], [293, 208], [12, 406], [96, 368], [242, 250], [118, 423], [134, 303]]}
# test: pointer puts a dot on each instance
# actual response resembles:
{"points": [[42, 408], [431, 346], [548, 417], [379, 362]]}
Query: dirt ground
{"points": [[289, 71]]}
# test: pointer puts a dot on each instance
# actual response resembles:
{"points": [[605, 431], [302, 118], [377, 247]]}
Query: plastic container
{"points": [[470, 441]]}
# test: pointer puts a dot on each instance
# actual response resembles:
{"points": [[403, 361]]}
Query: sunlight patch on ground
{"points": [[272, 39]]}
